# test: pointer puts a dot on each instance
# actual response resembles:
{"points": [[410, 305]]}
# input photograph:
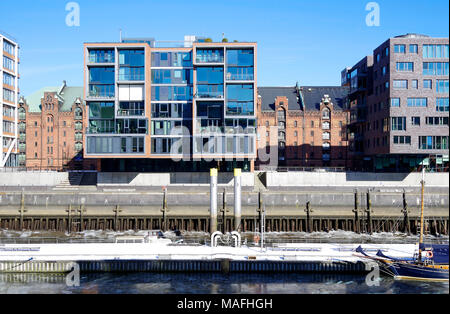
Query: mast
{"points": [[421, 212]]}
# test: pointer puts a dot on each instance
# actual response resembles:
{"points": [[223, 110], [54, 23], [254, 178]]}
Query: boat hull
{"points": [[410, 271]]}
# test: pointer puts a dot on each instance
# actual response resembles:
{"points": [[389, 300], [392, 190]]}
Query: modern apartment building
{"points": [[9, 93], [305, 125], [155, 106], [405, 104], [51, 130]]}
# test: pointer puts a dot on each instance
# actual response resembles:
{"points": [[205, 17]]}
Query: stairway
{"points": [[73, 183]]}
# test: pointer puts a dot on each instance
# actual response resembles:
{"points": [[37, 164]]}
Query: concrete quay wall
{"points": [[354, 179]]}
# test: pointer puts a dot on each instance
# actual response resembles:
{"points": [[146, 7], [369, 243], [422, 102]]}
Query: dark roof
{"points": [[268, 95], [312, 96]]}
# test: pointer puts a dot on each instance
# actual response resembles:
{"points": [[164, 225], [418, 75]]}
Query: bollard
{"points": [[164, 211], [356, 224], [368, 211], [237, 199], [213, 201], [308, 212], [116, 211], [406, 227], [22, 210]]}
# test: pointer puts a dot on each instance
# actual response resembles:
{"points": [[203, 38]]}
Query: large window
{"points": [[436, 120], [101, 56], [400, 84], [240, 99], [442, 86], [168, 76], [433, 142], [171, 59], [170, 93], [209, 55], [101, 110], [405, 66], [101, 82], [399, 48], [9, 48], [435, 51], [442, 104], [210, 82], [427, 84], [435, 68], [8, 63], [398, 123], [9, 95], [240, 64], [9, 79], [131, 108], [417, 102], [402, 140], [132, 65], [395, 102]]}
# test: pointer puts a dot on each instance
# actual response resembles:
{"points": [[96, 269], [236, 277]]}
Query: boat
{"points": [[430, 263]]}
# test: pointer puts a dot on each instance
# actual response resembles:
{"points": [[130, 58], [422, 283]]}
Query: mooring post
{"points": [[405, 211], [368, 211], [81, 211], [69, 218], [213, 201], [259, 210], [224, 210], [237, 199], [116, 211], [164, 210], [356, 224], [22, 210], [308, 211]]}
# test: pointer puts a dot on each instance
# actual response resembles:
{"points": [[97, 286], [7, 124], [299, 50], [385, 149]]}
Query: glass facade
{"points": [[101, 56], [207, 55], [171, 76], [171, 59], [240, 99], [433, 142], [101, 82], [442, 105], [417, 102], [171, 93], [442, 86], [240, 63], [210, 82], [132, 65]]}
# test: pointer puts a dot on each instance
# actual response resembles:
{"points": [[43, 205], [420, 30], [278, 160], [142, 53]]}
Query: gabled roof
{"points": [[312, 96], [67, 97], [268, 95]]}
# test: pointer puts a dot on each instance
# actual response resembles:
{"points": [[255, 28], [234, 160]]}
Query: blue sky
{"points": [[305, 41]]}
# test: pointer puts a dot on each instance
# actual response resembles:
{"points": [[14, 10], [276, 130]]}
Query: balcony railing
{"points": [[240, 77], [132, 74], [209, 59], [101, 91], [107, 58], [130, 112]]}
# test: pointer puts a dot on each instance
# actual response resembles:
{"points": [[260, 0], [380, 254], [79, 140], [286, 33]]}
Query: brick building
{"points": [[399, 104], [51, 130], [306, 126]]}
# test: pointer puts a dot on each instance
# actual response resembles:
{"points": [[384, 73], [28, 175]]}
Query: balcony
{"points": [[240, 77], [101, 91], [130, 112], [131, 74]]}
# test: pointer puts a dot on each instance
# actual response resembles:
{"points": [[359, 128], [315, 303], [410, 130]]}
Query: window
{"points": [[413, 48], [417, 102], [295, 133], [433, 142], [415, 120], [402, 140], [436, 120], [9, 79], [400, 84], [101, 56], [442, 104], [326, 113], [8, 63], [442, 86], [435, 51], [9, 48], [9, 95], [435, 68], [405, 66], [415, 84], [295, 123], [398, 123], [399, 48], [131, 64], [395, 102], [427, 84]]}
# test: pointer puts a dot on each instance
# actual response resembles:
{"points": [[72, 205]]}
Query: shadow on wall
{"points": [[365, 176]]}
